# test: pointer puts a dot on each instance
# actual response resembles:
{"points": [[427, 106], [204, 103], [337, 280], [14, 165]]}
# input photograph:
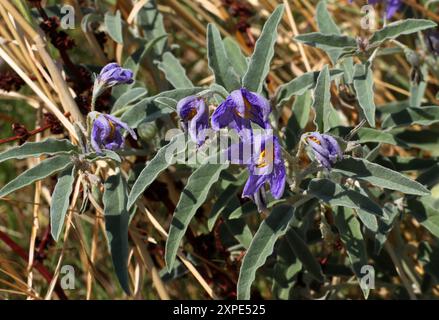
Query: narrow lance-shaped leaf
{"points": [[259, 65], [35, 149], [42, 170], [114, 26], [298, 120], [128, 98], [417, 88], [352, 238], [274, 226], [219, 63], [174, 71], [379, 176], [339, 196], [301, 251], [147, 110], [327, 26], [235, 55], [423, 116], [363, 84], [192, 197], [60, 201], [116, 224], [300, 85], [322, 98], [154, 167], [395, 29], [329, 40], [426, 213]]}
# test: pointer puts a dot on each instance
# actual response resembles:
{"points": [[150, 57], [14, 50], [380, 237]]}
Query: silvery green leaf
{"points": [[302, 252], [298, 120], [259, 65], [426, 212], [351, 236], [174, 71], [424, 116], [134, 60], [363, 84], [322, 99], [327, 26], [274, 226], [401, 27], [366, 135], [249, 208], [417, 90], [220, 204], [42, 170], [316, 39], [235, 55], [60, 201], [379, 176], [113, 23], [385, 226], [129, 97], [153, 169], [117, 220], [35, 149], [339, 196], [148, 110], [150, 21], [300, 85], [219, 63], [105, 155], [192, 198], [167, 102]]}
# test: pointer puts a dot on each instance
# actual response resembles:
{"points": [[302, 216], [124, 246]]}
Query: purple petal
{"points": [[117, 142], [223, 115], [121, 124], [392, 7], [185, 106], [333, 146], [253, 184], [260, 107], [199, 123], [100, 131], [277, 181], [109, 67], [324, 161]]}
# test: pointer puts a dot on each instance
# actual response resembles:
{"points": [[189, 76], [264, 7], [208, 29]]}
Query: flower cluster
{"points": [[239, 111], [106, 130]]}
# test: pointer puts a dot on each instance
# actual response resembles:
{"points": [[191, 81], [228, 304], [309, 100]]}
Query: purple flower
{"points": [[325, 148], [112, 74], [392, 6], [194, 115], [266, 166], [241, 108], [432, 41], [106, 132]]}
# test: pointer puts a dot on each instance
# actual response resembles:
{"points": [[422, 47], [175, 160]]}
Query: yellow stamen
{"points": [[247, 110], [314, 139], [191, 114], [261, 161], [112, 129]]}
